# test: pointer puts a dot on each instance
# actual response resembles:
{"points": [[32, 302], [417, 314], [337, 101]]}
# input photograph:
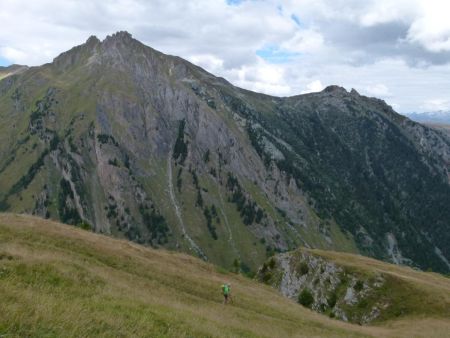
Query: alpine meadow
{"points": [[134, 184]]}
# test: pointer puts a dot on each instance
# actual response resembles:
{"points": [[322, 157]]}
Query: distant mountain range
{"points": [[122, 139], [431, 117]]}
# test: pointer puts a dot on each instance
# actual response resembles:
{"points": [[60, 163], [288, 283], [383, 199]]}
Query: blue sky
{"points": [[297, 20], [234, 2], [4, 62], [398, 50], [275, 55]]}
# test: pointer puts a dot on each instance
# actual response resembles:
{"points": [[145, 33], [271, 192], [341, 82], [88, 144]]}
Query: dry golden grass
{"points": [[2, 76], [433, 282], [57, 280]]}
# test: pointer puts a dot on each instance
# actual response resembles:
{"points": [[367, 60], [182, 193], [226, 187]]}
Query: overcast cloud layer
{"points": [[398, 50]]}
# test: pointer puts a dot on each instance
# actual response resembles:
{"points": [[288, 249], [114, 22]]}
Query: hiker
{"points": [[226, 291]]}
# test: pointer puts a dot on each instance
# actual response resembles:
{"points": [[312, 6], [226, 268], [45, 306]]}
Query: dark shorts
{"points": [[226, 296]]}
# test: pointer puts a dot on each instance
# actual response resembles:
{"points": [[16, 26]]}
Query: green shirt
{"points": [[225, 289]]}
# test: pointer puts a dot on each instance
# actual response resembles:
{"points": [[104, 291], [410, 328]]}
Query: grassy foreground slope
{"points": [[57, 280]]}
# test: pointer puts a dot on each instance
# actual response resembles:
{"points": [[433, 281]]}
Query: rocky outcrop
{"points": [[326, 287]]}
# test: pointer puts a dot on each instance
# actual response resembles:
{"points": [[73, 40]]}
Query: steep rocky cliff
{"points": [[117, 137]]}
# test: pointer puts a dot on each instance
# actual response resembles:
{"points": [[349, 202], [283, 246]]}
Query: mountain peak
{"points": [[121, 40], [113, 120], [92, 40], [335, 89], [77, 53], [119, 36]]}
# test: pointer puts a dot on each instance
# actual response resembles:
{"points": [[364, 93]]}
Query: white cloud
{"points": [[304, 41], [398, 50], [384, 11], [314, 86], [207, 61], [436, 105], [11, 53], [378, 90], [432, 28], [263, 77]]}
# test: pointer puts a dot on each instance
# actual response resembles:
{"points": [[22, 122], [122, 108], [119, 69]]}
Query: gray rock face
{"points": [[250, 174], [334, 290]]}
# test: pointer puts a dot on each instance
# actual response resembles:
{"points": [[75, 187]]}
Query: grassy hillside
{"points": [[57, 280]]}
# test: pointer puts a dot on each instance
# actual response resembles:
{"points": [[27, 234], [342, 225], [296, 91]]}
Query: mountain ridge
{"points": [[11, 70], [440, 116], [89, 139]]}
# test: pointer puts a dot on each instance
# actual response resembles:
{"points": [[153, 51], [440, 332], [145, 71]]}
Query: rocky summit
{"points": [[119, 138]]}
